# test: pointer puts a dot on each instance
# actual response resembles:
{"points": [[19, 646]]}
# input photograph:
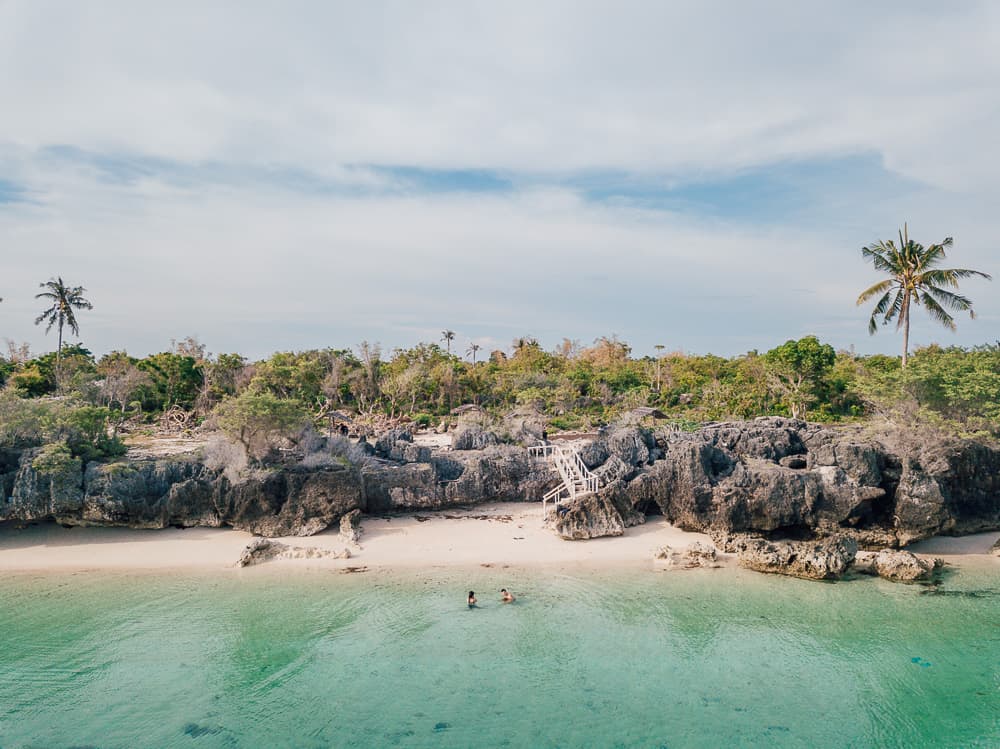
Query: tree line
{"points": [[574, 386]]}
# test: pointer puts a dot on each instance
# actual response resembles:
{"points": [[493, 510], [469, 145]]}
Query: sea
{"points": [[292, 656]]}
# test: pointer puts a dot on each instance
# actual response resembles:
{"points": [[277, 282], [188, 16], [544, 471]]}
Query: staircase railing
{"points": [[577, 480]]}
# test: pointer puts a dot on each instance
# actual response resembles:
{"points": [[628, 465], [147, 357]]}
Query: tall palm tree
{"points": [[914, 279], [64, 300], [473, 348], [659, 348], [448, 336]]}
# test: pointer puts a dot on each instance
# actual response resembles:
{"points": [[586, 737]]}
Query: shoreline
{"points": [[489, 535]]}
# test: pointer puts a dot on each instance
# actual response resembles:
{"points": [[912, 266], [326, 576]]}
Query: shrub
{"points": [[258, 421]]}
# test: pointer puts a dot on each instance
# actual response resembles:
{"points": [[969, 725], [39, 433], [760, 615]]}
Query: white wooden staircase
{"points": [[577, 480]]}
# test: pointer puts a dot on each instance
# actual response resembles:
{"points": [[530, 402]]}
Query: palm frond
{"points": [[871, 291], [894, 308], [879, 309], [949, 299], [938, 312]]}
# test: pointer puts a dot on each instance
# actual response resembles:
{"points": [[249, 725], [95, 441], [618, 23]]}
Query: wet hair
{"points": [[472, 594], [503, 590]]}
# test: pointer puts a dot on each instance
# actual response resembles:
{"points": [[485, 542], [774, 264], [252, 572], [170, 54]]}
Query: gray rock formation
{"points": [[787, 478], [694, 555], [823, 560], [591, 516], [895, 565], [264, 550], [279, 501], [995, 549], [777, 477], [390, 442], [472, 437], [350, 527]]}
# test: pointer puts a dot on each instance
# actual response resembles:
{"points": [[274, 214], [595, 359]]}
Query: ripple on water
{"points": [[636, 659]]}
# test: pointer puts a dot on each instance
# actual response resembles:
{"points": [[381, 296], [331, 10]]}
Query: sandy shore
{"points": [[494, 534]]}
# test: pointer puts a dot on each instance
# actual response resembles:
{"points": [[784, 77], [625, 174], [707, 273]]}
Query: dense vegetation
{"points": [[77, 404], [87, 400]]}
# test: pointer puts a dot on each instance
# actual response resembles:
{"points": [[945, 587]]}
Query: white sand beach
{"points": [[493, 534]]}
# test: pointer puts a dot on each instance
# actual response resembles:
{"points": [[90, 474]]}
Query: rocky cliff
{"points": [[276, 501], [786, 478], [776, 477]]}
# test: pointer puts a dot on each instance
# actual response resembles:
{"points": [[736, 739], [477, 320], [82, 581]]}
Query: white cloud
{"points": [[674, 90], [259, 270], [553, 86]]}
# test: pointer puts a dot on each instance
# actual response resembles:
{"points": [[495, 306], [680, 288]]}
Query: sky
{"points": [[289, 175]]}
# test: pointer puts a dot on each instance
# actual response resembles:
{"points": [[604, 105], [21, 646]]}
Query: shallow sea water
{"points": [[272, 657]]}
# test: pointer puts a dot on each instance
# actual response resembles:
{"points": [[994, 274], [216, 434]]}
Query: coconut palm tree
{"points": [[471, 351], [64, 300], [448, 336], [914, 279], [659, 355]]}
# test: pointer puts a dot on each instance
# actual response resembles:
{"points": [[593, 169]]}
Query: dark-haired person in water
{"points": [[472, 599], [505, 596]]}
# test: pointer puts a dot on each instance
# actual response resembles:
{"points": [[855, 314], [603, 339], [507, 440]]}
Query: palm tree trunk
{"points": [[906, 328], [59, 357]]}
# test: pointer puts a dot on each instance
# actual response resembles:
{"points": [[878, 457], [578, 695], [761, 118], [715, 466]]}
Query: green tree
{"points": [[175, 380], [448, 336], [472, 351], [914, 279], [257, 420], [797, 368], [64, 299]]}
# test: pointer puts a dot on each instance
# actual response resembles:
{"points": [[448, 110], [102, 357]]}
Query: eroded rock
{"points": [[350, 527], [262, 550], [896, 565], [815, 560], [697, 554]]}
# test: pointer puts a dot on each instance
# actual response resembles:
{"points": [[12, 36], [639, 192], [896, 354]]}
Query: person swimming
{"points": [[506, 596], [472, 599]]}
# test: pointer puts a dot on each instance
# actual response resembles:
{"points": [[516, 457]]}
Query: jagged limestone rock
{"points": [[815, 560], [697, 554], [265, 549], [350, 527], [896, 565]]}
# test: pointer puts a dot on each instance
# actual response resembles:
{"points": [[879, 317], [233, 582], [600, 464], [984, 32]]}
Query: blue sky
{"points": [[697, 176]]}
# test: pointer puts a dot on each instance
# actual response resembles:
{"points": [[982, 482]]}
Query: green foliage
{"points": [[31, 382], [258, 420], [574, 386], [7, 368], [954, 386], [797, 369], [175, 379], [82, 427], [568, 422], [56, 459]]}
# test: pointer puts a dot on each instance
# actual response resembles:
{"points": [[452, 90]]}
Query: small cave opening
{"points": [[792, 533], [649, 508]]}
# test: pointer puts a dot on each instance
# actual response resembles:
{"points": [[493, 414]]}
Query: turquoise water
{"points": [[275, 658]]}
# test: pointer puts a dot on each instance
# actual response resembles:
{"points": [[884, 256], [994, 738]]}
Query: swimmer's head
{"points": [[472, 594], [503, 590]]}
